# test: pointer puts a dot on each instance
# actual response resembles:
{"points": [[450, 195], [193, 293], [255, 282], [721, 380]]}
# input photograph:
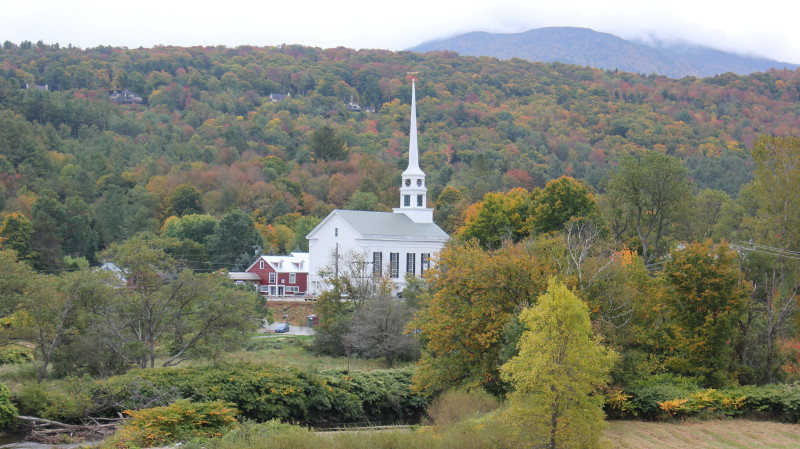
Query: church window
{"points": [[394, 265], [419, 200], [336, 232], [424, 262], [410, 259], [377, 263], [407, 200], [408, 183], [419, 183]]}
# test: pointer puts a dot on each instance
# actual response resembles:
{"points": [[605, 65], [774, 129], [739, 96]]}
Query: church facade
{"points": [[394, 244]]}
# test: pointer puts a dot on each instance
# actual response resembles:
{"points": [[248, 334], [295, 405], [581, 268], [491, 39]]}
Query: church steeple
{"points": [[413, 192]]}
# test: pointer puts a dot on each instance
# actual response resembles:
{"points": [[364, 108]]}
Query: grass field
{"points": [[717, 434]]}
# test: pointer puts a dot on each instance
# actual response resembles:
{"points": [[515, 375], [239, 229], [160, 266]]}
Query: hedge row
{"points": [[265, 392], [655, 401]]}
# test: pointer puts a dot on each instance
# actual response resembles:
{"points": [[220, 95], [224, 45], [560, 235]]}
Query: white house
{"points": [[400, 242]]}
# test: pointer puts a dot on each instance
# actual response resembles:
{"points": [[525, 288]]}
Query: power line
{"points": [[764, 249]]}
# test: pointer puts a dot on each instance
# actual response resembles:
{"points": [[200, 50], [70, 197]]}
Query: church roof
{"points": [[390, 225]]}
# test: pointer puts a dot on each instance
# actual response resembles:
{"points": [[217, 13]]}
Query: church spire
{"points": [[413, 151], [413, 192]]}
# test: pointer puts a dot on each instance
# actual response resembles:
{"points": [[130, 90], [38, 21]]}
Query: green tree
{"points": [[49, 313], [327, 145], [561, 199], [184, 200], [80, 237], [235, 241], [450, 206], [362, 201], [16, 233], [474, 294], [775, 196], [195, 227], [499, 217], [15, 282], [169, 307], [706, 302], [652, 195], [777, 191], [49, 220], [560, 366]]}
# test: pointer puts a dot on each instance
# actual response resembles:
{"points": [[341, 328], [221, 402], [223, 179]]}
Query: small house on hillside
{"points": [[276, 275], [125, 97], [277, 98]]}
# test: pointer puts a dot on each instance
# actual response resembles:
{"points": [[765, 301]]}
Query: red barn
{"points": [[277, 275]]}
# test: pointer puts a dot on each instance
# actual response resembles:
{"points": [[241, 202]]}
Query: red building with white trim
{"points": [[277, 275]]}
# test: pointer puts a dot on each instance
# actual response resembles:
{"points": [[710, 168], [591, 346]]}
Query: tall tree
{"points": [[653, 194], [561, 199], [327, 145], [498, 218], [235, 241], [49, 222], [776, 274], [561, 364], [162, 305], [51, 310], [16, 233], [474, 294], [184, 200], [706, 302], [80, 237]]}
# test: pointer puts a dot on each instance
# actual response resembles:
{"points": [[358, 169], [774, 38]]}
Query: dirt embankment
{"points": [[293, 312]]}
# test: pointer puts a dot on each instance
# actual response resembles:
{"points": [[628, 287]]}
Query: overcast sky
{"points": [[765, 27]]}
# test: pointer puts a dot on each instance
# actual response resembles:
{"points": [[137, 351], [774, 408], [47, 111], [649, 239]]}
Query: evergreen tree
{"points": [[235, 241], [327, 146]]}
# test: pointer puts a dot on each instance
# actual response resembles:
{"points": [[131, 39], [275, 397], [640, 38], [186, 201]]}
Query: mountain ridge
{"points": [[587, 47]]}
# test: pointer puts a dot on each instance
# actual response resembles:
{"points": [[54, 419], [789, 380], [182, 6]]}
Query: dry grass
{"points": [[716, 434]]}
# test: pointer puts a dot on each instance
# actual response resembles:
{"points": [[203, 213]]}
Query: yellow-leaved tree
{"points": [[560, 366]]}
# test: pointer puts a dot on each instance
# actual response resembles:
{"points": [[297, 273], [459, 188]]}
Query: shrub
{"points": [[8, 412], [181, 420], [12, 355], [651, 400], [65, 400], [265, 392], [648, 393], [385, 394]]}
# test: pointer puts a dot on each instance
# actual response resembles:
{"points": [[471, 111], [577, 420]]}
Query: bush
{"points": [[12, 355], [65, 400], [651, 400], [8, 413], [385, 394], [266, 392], [179, 421]]}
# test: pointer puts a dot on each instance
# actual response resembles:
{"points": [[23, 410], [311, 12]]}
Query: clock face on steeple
{"points": [[408, 182]]}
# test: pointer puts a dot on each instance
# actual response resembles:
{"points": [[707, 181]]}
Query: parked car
{"points": [[281, 328]]}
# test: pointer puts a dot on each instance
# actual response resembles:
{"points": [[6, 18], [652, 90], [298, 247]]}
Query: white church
{"points": [[394, 244]]}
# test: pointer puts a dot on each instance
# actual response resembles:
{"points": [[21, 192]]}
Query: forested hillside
{"points": [[79, 171]]}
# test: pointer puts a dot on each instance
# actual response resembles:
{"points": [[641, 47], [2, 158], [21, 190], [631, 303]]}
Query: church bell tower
{"points": [[413, 192]]}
